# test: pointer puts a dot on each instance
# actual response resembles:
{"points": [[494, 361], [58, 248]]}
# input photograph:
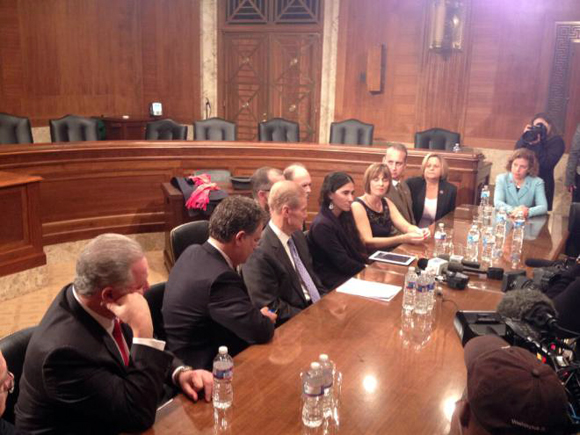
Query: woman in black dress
{"points": [[336, 248], [376, 217]]}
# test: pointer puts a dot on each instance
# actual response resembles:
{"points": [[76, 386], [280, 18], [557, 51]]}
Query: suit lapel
{"points": [[524, 189], [511, 189], [279, 252], [405, 194], [95, 328]]}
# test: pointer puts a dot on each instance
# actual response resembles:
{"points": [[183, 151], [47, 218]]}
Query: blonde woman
{"points": [[433, 196]]}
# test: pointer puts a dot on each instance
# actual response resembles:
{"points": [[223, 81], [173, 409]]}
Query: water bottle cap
{"points": [[223, 350], [315, 365], [323, 357]]}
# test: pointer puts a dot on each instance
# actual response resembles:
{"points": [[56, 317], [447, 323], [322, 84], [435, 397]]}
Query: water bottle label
{"points": [[422, 288], [440, 236], [223, 374], [411, 285], [485, 194], [472, 238]]}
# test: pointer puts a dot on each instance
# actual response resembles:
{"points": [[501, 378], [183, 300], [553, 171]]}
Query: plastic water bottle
{"points": [[500, 231], [410, 290], [484, 196], [312, 392], [488, 245], [440, 240], [456, 148], [223, 374], [472, 248], [422, 296], [328, 370], [431, 286], [518, 238]]}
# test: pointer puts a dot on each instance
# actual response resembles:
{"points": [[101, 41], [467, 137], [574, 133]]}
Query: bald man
{"points": [[297, 172], [279, 274], [262, 180]]}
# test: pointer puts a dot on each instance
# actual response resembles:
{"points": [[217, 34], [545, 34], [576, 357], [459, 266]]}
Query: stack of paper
{"points": [[369, 289]]}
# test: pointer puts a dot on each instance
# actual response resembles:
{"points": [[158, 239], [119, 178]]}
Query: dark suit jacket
{"points": [[335, 256], [206, 305], [445, 198], [273, 281], [401, 197], [74, 380]]}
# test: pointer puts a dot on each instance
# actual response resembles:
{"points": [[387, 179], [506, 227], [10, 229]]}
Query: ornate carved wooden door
{"points": [[246, 81], [271, 60]]}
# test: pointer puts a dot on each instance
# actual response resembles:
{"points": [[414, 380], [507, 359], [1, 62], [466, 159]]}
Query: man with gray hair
{"points": [[262, 180], [206, 304], [297, 172], [279, 274], [92, 365]]}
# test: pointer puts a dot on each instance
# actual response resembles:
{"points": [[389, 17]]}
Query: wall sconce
{"points": [[447, 21]]}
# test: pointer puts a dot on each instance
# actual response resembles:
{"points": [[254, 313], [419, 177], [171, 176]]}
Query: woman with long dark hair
{"points": [[543, 138], [336, 247]]}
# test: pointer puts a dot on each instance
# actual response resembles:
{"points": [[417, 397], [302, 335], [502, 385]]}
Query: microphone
{"points": [[472, 264], [534, 308], [521, 304], [422, 263], [539, 262], [491, 273]]}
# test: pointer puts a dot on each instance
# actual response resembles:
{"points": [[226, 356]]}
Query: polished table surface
{"points": [[395, 379]]}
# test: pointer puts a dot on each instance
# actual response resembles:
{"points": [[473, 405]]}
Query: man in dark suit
{"points": [[262, 180], [6, 387], [298, 173], [279, 273], [206, 304], [86, 373], [399, 193]]}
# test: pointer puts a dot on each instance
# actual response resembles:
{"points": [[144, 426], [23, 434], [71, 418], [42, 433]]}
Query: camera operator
{"points": [[573, 167], [565, 293], [541, 137]]}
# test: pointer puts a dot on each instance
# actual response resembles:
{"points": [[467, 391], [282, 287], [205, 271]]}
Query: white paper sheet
{"points": [[369, 289]]}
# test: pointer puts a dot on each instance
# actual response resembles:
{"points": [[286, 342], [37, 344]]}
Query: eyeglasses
{"points": [[7, 384]]}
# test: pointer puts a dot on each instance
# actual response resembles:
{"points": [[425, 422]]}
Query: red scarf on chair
{"points": [[199, 199]]}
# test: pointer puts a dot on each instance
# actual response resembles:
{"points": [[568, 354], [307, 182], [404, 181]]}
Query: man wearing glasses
{"points": [[6, 388]]}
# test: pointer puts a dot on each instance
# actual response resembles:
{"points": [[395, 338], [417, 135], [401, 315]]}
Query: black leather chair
{"points": [[13, 347], [14, 129], [573, 242], [154, 298], [165, 129], [214, 129], [278, 130], [72, 128], [436, 139], [190, 233], [351, 132]]}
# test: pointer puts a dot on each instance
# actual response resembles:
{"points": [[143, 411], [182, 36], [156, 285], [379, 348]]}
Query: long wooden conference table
{"points": [[88, 188], [396, 380]]}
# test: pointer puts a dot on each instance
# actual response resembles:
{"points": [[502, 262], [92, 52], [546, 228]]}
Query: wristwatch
{"points": [[179, 370]]}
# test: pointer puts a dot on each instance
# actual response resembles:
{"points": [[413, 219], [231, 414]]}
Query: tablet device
{"points": [[390, 257]]}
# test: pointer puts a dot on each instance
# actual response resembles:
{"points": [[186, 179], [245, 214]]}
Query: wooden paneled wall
{"points": [[487, 91], [99, 57]]}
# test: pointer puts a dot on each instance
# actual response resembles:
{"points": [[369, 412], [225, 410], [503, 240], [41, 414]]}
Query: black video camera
{"points": [[537, 132], [542, 279]]}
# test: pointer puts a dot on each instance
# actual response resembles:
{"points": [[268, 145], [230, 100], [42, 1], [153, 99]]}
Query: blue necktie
{"points": [[303, 273]]}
